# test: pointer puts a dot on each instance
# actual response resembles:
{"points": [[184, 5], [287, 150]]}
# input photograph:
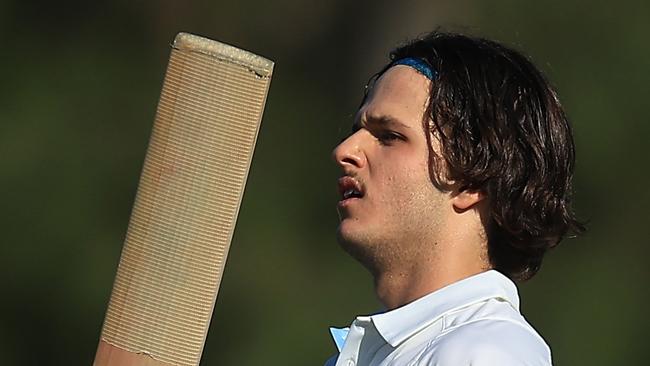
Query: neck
{"points": [[396, 287]]}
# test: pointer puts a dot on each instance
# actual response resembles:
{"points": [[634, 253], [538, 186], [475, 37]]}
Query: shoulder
{"points": [[488, 342], [332, 360]]}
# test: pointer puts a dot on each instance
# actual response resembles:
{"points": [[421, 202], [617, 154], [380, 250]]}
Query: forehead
{"points": [[401, 93]]}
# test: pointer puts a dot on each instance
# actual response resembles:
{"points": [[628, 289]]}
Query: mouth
{"points": [[349, 189]]}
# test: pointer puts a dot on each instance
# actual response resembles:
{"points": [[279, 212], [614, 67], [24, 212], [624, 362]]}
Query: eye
{"points": [[388, 137]]}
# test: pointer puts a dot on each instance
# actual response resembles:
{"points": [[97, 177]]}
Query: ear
{"points": [[466, 199]]}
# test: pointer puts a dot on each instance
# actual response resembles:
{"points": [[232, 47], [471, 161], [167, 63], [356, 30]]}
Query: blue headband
{"points": [[420, 65]]}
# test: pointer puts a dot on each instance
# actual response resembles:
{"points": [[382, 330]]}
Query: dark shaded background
{"points": [[78, 90]]}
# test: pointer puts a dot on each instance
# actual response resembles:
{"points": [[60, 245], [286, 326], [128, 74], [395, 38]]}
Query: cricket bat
{"points": [[186, 206]]}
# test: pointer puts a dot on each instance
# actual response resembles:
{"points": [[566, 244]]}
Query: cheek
{"points": [[403, 179], [405, 185], [410, 172]]}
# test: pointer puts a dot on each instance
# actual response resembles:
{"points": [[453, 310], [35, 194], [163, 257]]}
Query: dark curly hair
{"points": [[502, 131]]}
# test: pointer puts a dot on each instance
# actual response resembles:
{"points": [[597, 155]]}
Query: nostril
{"points": [[350, 160]]}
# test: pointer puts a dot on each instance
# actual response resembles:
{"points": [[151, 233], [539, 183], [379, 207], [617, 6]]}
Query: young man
{"points": [[455, 182]]}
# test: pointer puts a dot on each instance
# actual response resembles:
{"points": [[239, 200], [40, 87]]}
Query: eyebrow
{"points": [[381, 120]]}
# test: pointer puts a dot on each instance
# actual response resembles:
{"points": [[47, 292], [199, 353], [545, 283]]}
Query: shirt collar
{"points": [[398, 325]]}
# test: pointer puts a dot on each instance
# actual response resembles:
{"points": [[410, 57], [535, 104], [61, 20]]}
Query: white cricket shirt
{"points": [[475, 321]]}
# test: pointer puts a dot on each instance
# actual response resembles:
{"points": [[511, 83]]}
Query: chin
{"points": [[347, 234], [359, 246]]}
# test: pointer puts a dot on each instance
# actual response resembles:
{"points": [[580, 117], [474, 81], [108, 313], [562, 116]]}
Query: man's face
{"points": [[390, 211]]}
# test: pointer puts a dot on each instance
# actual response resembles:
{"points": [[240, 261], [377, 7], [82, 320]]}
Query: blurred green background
{"points": [[78, 91]]}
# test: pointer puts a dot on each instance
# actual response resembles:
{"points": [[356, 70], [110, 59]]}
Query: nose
{"points": [[349, 153]]}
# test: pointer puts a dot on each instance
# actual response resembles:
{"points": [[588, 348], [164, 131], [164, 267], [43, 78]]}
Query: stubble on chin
{"points": [[360, 247], [377, 255]]}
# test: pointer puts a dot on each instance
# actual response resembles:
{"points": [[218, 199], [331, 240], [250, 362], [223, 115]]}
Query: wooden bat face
{"points": [[186, 207]]}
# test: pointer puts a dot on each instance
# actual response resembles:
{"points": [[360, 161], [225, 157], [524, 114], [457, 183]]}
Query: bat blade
{"points": [[185, 210]]}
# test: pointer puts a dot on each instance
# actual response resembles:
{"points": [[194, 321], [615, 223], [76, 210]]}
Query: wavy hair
{"points": [[502, 131]]}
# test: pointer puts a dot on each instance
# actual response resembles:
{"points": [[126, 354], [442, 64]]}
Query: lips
{"points": [[350, 188]]}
